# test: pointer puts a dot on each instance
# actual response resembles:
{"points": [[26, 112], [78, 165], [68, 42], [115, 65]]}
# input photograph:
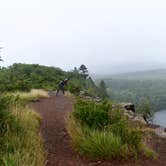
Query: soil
{"points": [[58, 143]]}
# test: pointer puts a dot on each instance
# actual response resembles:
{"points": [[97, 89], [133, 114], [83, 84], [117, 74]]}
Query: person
{"points": [[61, 86]]}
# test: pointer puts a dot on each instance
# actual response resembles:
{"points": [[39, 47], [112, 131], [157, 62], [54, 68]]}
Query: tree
{"points": [[145, 109], [83, 70], [103, 90]]}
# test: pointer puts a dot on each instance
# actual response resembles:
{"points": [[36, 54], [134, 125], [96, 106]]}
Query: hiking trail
{"points": [[53, 111]]}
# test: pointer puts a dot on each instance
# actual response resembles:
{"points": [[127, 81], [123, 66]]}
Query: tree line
{"points": [[23, 77]]}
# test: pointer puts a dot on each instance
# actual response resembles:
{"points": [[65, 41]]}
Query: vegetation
{"points": [[135, 87], [20, 141], [145, 110], [92, 115], [24, 77], [99, 131], [103, 90], [33, 95]]}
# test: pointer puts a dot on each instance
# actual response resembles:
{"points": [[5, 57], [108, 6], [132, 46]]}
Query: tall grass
{"points": [[20, 143], [33, 95], [96, 143], [94, 138]]}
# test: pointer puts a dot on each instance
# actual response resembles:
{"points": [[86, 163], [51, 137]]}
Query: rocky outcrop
{"points": [[160, 131], [128, 106], [134, 117], [129, 111]]}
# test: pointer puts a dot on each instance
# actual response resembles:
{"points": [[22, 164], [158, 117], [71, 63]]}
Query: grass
{"points": [[113, 140], [33, 95], [21, 144], [96, 144]]}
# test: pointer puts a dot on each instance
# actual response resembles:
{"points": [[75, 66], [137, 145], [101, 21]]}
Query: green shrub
{"points": [[99, 131], [92, 114], [74, 88]]}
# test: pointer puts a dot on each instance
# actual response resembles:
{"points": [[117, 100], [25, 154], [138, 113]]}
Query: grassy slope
{"points": [[21, 144]]}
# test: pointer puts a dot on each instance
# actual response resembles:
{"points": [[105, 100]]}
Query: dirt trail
{"points": [[57, 142]]}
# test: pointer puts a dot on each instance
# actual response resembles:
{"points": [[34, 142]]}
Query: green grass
{"points": [[20, 143], [113, 140], [95, 143]]}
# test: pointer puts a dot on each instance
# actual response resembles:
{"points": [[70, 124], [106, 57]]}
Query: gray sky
{"points": [[107, 35]]}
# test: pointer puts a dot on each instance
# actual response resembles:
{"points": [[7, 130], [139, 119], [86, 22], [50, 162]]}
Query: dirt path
{"points": [[57, 142]]}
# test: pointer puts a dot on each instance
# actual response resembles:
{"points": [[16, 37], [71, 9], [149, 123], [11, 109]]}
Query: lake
{"points": [[160, 118]]}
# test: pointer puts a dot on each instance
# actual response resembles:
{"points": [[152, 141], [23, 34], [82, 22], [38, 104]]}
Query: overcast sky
{"points": [[106, 35]]}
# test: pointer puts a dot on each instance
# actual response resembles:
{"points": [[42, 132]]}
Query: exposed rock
{"points": [[160, 131], [134, 117], [128, 106]]}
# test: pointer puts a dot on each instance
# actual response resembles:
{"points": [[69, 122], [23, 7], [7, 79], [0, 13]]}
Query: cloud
{"points": [[106, 36]]}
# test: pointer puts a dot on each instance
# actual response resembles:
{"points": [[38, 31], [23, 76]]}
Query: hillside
{"points": [[159, 74], [23, 77], [137, 86]]}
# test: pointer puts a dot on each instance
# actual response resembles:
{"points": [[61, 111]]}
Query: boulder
{"points": [[128, 106]]}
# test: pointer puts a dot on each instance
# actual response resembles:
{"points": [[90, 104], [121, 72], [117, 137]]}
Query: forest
{"points": [[24, 77], [138, 86]]}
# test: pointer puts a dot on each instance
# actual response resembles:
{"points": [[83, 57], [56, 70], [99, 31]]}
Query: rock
{"points": [[129, 111], [160, 131], [139, 118], [128, 106]]}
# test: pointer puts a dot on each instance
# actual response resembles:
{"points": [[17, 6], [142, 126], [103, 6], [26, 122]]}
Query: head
{"points": [[65, 80]]}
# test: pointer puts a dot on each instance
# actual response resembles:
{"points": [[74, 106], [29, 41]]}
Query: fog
{"points": [[107, 36]]}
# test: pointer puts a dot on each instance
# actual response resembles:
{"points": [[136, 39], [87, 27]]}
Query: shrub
{"points": [[74, 88], [92, 114], [99, 131]]}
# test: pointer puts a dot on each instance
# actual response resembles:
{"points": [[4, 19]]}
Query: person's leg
{"points": [[63, 90], [57, 92]]}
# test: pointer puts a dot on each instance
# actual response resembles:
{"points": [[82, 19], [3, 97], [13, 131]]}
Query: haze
{"points": [[108, 36]]}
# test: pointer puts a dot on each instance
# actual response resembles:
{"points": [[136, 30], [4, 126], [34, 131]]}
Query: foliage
{"points": [[128, 90], [145, 109], [99, 131], [20, 142], [83, 70], [103, 90], [23, 77], [92, 114], [77, 83], [95, 143], [74, 88]]}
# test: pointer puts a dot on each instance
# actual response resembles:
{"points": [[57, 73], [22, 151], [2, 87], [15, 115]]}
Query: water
{"points": [[160, 118]]}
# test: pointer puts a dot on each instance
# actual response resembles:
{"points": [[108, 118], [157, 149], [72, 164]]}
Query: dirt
{"points": [[58, 143]]}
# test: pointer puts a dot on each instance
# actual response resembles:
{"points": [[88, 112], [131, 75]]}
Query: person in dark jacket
{"points": [[61, 86]]}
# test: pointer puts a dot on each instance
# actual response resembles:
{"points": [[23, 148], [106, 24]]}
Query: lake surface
{"points": [[160, 118]]}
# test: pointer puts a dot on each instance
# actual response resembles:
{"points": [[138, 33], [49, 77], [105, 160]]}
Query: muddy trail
{"points": [[58, 144]]}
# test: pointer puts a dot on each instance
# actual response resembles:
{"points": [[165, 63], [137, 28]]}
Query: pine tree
{"points": [[103, 90], [83, 70]]}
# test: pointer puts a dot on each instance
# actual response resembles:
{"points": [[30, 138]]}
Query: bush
{"points": [[92, 114], [146, 111], [74, 88], [101, 132]]}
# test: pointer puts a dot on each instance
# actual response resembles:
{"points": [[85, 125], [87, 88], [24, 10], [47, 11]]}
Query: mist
{"points": [[107, 36]]}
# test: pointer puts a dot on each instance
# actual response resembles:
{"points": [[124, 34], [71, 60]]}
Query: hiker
{"points": [[61, 86]]}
